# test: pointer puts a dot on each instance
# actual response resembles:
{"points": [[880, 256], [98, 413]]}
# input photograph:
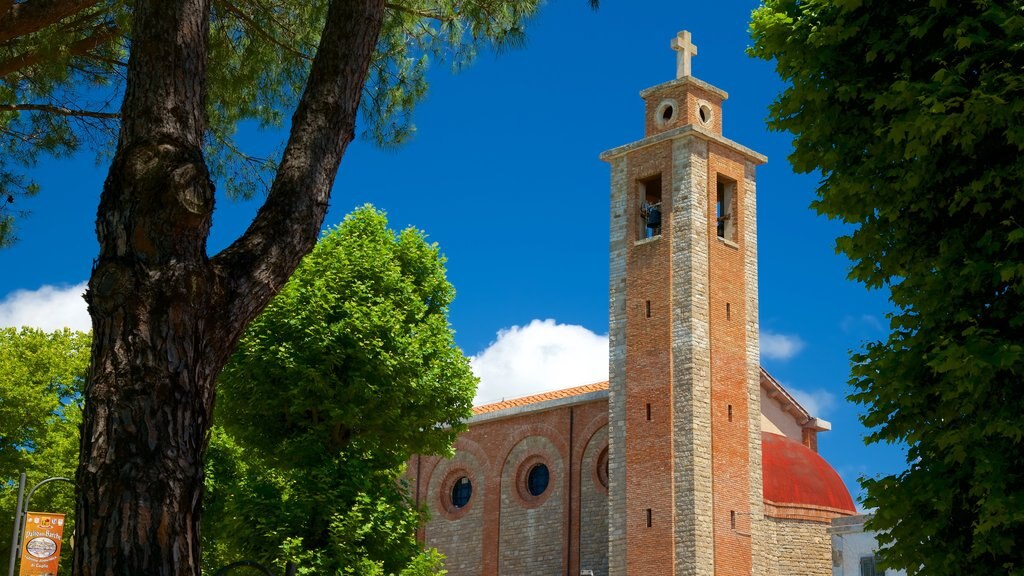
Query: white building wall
{"points": [[850, 543]]}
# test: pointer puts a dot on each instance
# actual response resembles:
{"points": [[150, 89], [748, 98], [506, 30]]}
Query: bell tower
{"points": [[685, 492]]}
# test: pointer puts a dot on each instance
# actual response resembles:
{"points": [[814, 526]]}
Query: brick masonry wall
{"points": [[730, 407], [688, 94], [594, 508], [484, 539], [650, 510]]}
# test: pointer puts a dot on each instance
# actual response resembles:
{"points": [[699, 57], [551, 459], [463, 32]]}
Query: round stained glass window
{"points": [[537, 480], [462, 491]]}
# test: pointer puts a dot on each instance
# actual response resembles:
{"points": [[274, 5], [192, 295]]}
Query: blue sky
{"points": [[503, 173]]}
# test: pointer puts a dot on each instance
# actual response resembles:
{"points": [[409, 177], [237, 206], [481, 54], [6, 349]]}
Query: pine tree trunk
{"points": [[165, 315]]}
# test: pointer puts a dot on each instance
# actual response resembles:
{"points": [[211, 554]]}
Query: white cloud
{"points": [[539, 357], [48, 308], [780, 346], [818, 402]]}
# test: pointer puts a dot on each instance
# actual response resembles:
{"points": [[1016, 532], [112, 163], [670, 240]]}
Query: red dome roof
{"points": [[795, 475]]}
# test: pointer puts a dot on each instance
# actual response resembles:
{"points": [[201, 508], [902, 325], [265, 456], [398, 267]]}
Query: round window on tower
{"points": [[666, 113], [704, 113]]}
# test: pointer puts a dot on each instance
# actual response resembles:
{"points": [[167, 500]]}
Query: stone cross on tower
{"points": [[685, 49]]}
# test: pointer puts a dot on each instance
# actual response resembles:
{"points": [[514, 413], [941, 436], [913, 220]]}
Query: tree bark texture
{"points": [[166, 317]]}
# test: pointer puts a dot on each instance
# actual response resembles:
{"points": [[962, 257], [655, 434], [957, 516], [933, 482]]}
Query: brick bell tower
{"points": [[684, 404]]}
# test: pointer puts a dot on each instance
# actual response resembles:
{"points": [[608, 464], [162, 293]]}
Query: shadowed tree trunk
{"points": [[165, 315]]}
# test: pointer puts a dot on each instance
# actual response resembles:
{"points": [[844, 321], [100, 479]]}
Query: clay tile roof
{"points": [[536, 398]]}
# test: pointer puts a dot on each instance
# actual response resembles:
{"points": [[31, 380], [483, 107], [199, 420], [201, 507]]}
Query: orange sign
{"points": [[40, 547]]}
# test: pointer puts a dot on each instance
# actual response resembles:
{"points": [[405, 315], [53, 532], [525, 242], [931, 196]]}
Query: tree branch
{"points": [[248, 20], [24, 18], [58, 110], [415, 12], [256, 265], [100, 35]]}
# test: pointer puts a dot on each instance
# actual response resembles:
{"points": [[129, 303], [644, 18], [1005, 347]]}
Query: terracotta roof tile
{"points": [[534, 399]]}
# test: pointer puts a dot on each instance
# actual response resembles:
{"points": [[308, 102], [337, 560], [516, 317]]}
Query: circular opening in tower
{"points": [[537, 480], [704, 113], [666, 112], [462, 491]]}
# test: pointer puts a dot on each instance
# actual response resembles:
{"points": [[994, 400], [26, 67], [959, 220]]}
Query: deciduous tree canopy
{"points": [[349, 370], [913, 113], [41, 377]]}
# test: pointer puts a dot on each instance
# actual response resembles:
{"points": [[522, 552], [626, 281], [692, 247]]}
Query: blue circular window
{"points": [[537, 480], [462, 491]]}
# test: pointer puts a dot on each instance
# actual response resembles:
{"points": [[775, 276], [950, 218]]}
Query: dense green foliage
{"points": [[913, 113], [40, 410], [67, 96], [351, 369]]}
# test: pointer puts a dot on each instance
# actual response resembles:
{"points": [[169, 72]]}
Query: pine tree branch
{"points": [[415, 12], [57, 110], [100, 35], [24, 18], [251, 23]]}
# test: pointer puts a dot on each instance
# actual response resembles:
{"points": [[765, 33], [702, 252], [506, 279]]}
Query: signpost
{"points": [[37, 535], [40, 551]]}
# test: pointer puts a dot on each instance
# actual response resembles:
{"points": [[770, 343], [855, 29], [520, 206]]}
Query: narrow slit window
{"points": [[648, 517], [648, 411], [648, 308], [650, 209], [730, 412], [726, 210], [732, 519], [728, 311]]}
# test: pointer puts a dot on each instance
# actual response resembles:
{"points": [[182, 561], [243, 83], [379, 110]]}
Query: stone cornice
{"points": [[683, 82], [690, 130]]}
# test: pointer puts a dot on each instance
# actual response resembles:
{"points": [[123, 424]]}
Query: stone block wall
{"points": [[532, 527], [798, 548], [458, 533], [620, 216], [594, 506]]}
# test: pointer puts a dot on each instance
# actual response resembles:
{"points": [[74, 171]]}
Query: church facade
{"points": [[691, 459]]}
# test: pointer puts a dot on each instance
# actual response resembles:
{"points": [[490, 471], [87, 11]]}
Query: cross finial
{"points": [[685, 49]]}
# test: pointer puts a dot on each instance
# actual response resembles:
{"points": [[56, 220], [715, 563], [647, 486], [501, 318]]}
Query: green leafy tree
{"points": [[41, 376], [350, 370], [913, 113]]}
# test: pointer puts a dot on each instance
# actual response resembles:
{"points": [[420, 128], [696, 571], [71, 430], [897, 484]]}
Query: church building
{"points": [[692, 459]]}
